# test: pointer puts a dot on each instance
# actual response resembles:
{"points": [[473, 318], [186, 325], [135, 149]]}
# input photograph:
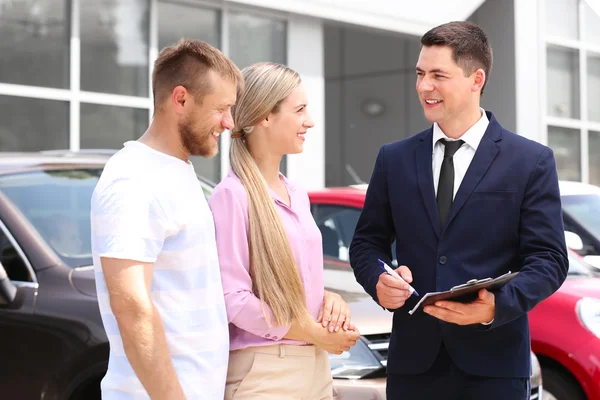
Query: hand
{"points": [[479, 311], [335, 342], [391, 292], [334, 312]]}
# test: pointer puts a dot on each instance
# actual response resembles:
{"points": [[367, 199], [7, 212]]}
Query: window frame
{"points": [[584, 49]]}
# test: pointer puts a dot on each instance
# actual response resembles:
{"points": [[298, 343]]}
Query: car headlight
{"points": [[356, 363], [588, 311]]}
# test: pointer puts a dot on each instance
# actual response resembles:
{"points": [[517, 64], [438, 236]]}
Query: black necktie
{"points": [[445, 192]]}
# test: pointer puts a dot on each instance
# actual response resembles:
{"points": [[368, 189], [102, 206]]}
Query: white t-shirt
{"points": [[150, 207]]}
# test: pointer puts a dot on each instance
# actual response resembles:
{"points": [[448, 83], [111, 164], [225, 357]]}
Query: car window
{"points": [[11, 260], [585, 209], [57, 204], [337, 225], [577, 266]]}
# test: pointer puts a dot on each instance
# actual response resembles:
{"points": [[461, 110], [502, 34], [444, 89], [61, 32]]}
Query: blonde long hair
{"points": [[275, 277]]}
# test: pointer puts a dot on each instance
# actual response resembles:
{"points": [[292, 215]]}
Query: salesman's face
{"points": [[446, 94]]}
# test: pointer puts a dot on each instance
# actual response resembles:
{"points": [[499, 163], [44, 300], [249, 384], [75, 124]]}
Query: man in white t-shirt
{"points": [[153, 238]]}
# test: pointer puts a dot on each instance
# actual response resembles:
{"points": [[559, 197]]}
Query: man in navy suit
{"points": [[464, 199]]}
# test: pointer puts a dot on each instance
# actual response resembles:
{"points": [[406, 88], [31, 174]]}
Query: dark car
{"points": [[52, 342]]}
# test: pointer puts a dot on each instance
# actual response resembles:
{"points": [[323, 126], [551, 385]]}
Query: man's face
{"points": [[204, 121], [446, 94]]}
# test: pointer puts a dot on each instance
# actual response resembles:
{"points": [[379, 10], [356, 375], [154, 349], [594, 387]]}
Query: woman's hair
{"points": [[273, 269]]}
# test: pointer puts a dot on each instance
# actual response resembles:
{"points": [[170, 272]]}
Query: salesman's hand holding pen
{"points": [[392, 292]]}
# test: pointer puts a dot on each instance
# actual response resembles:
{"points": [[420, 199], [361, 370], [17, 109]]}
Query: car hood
{"points": [[578, 287], [367, 316]]}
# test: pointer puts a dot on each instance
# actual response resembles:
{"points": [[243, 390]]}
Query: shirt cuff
{"points": [[488, 323]]}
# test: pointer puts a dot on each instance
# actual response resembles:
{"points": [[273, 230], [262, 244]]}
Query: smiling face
{"points": [[448, 95], [203, 122], [287, 126]]}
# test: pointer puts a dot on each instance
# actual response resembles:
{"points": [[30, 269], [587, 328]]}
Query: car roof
{"points": [[21, 161], [570, 188]]}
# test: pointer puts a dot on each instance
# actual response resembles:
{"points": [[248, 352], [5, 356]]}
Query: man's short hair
{"points": [[187, 64], [470, 46]]}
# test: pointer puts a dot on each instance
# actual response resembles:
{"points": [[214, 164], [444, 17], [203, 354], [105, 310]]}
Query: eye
{"points": [[439, 76], [301, 109]]}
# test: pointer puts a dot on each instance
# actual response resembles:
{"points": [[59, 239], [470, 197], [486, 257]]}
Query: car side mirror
{"points": [[573, 241], [8, 291]]}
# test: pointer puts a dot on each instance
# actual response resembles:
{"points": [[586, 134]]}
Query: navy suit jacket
{"points": [[506, 216]]}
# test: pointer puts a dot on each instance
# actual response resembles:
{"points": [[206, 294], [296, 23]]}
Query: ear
{"points": [[179, 97], [265, 123], [479, 80]]}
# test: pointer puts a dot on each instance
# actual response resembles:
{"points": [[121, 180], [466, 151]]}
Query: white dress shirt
{"points": [[463, 157]]}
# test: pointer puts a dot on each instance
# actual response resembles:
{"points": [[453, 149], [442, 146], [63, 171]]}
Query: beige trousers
{"points": [[279, 372]]}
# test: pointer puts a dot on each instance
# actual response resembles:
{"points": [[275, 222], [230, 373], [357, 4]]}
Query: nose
{"points": [[424, 84], [227, 122], [309, 123]]}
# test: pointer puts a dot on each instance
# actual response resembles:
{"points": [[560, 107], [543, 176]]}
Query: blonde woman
{"points": [[282, 322]]}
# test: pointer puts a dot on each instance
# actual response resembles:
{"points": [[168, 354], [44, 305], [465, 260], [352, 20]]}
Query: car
{"points": [[581, 215], [52, 340], [336, 212], [565, 335]]}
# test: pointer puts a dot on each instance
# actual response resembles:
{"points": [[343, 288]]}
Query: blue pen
{"points": [[393, 273]]}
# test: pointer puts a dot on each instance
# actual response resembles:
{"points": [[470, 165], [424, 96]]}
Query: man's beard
{"points": [[196, 141]]}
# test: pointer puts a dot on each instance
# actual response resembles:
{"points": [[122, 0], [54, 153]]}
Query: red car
{"points": [[565, 328]]}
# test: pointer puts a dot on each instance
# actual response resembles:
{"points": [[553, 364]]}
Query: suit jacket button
{"points": [[443, 259]]}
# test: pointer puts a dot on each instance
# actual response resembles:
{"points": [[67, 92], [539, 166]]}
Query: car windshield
{"points": [[585, 209], [577, 266], [57, 203]]}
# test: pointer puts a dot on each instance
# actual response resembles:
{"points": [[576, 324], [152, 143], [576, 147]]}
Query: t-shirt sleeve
{"points": [[128, 222]]}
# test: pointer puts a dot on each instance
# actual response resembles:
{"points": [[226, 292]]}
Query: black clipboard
{"points": [[464, 293]]}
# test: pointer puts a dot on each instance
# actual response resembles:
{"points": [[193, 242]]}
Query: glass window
{"points": [[566, 146], [592, 23], [57, 203], [594, 157], [28, 124], [108, 127], [254, 38], [563, 82], [179, 20], [337, 225], [561, 18], [593, 71], [176, 21], [35, 43], [585, 210], [114, 46], [11, 260]]}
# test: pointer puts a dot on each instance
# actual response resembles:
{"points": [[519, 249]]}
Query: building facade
{"points": [[75, 74]]}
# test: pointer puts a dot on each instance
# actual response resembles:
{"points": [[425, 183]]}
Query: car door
{"points": [[19, 336]]}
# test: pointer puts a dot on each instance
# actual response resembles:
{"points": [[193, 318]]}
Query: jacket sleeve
{"points": [[543, 251], [374, 232]]}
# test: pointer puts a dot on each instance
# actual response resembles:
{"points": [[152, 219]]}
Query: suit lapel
{"points": [[425, 179], [484, 156]]}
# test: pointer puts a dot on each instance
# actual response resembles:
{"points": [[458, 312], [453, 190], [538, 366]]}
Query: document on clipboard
{"points": [[464, 293]]}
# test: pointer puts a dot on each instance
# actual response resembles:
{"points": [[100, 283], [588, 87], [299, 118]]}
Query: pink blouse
{"points": [[229, 204]]}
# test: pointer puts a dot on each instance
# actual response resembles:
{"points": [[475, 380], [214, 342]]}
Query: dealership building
{"points": [[75, 74]]}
